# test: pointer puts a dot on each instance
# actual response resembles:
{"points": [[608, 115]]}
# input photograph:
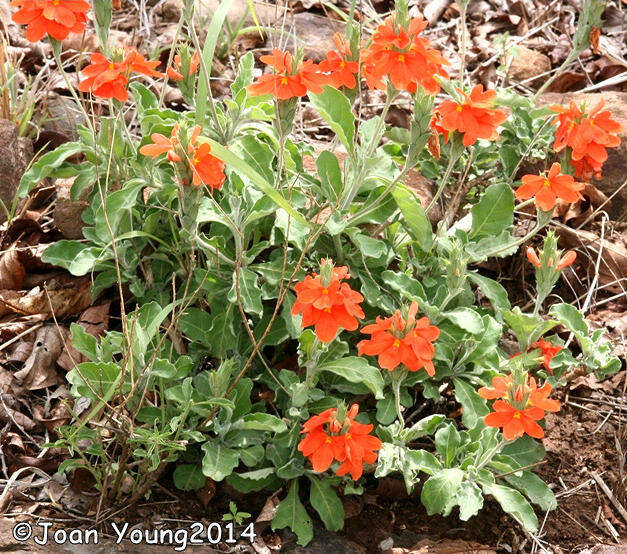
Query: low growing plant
{"points": [[293, 328]]}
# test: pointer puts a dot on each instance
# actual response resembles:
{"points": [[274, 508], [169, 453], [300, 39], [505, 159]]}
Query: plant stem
{"points": [[449, 169], [485, 459], [398, 376]]}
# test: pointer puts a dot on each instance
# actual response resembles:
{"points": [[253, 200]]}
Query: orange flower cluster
{"points": [[475, 117], [519, 407], [548, 350], [107, 79], [338, 68], [57, 18], [565, 261], [206, 169], [403, 57], [327, 303], [547, 189], [173, 72], [588, 134], [349, 442], [397, 341], [288, 81]]}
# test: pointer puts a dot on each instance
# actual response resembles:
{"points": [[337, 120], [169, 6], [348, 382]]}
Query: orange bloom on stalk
{"points": [[518, 408], [107, 79], [174, 73], [340, 70], [162, 144], [58, 18], [588, 134], [206, 168], [548, 351], [547, 190], [328, 439], [475, 117], [515, 423], [139, 64], [403, 57], [328, 306], [285, 82], [397, 341], [565, 261], [104, 78]]}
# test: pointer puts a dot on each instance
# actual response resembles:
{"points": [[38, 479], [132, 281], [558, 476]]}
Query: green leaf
{"points": [[233, 161], [514, 503], [188, 477], [291, 513], [78, 258], [330, 175], [203, 96], [439, 491], [97, 380], [335, 109], [260, 422], [85, 343], [250, 292], [474, 408], [218, 461], [447, 440], [525, 450], [356, 370], [493, 291], [494, 213], [325, 501], [570, 317], [45, 166], [469, 499], [466, 319], [414, 216], [252, 481], [426, 426], [194, 324], [534, 488]]}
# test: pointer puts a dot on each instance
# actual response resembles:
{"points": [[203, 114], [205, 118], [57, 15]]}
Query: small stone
{"points": [[525, 63]]}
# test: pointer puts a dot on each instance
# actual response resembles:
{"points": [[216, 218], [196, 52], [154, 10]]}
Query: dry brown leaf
{"points": [[95, 321], [39, 369], [12, 271], [9, 413], [59, 416], [57, 298], [614, 256], [577, 212], [427, 546], [21, 352], [567, 81]]}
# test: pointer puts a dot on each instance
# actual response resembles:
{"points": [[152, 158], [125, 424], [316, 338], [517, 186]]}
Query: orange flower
{"points": [[588, 134], [566, 260], [532, 256], [328, 439], [139, 64], [474, 117], [328, 306], [539, 397], [548, 351], [341, 72], [500, 387], [173, 72], [58, 18], [396, 341], [104, 78], [162, 144], [527, 394], [107, 79], [286, 82], [402, 57], [547, 190], [514, 422], [206, 168]]}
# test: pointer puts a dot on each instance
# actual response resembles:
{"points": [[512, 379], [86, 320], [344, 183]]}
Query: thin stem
{"points": [[398, 376], [486, 459], [449, 169]]}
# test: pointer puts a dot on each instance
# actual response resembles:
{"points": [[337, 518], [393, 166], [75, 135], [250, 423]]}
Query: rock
{"points": [[67, 213], [525, 63], [15, 155], [614, 167], [314, 33]]}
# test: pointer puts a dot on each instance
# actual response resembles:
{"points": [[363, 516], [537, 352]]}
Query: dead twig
{"points": [[609, 494]]}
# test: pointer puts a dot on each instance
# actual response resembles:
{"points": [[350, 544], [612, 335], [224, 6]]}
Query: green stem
{"points": [[485, 459], [398, 376], [449, 169]]}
